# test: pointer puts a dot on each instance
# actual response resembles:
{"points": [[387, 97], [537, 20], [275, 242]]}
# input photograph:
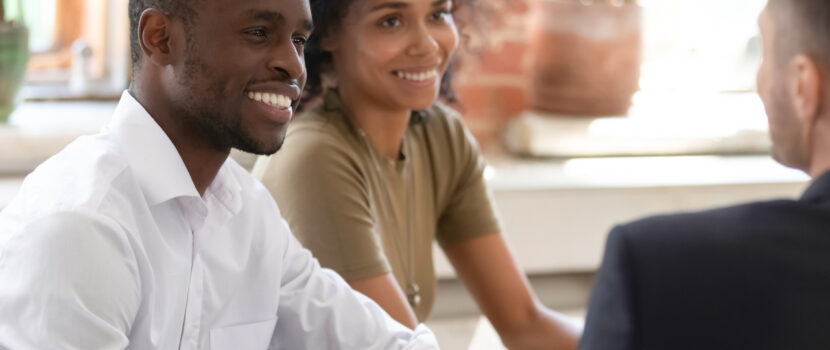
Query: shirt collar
{"points": [[819, 190], [156, 163], [226, 188]]}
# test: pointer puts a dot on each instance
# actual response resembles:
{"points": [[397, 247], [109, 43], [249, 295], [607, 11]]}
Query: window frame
{"points": [[102, 26]]}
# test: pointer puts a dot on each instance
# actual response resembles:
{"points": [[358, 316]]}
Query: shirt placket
{"points": [[197, 216]]}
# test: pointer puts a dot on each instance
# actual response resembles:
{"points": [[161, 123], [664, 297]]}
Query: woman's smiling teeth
{"points": [[417, 76], [276, 100]]}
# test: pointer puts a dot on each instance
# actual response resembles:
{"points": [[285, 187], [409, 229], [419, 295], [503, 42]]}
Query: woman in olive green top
{"points": [[378, 169]]}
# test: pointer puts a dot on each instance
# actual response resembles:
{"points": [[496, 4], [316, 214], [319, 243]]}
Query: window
{"points": [[698, 75], [696, 95], [79, 48], [702, 45]]}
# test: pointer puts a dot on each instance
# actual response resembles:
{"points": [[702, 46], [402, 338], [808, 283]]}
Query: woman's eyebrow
{"points": [[397, 5], [439, 3]]}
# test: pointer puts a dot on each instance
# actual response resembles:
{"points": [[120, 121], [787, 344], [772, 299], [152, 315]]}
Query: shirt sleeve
{"points": [[469, 211], [610, 320], [324, 196], [318, 310], [67, 281]]}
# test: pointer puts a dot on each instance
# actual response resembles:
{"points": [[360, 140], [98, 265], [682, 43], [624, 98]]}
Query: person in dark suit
{"points": [[753, 276]]}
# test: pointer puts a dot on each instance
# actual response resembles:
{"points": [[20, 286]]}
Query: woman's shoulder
{"points": [[443, 120], [444, 114], [318, 130], [319, 122], [315, 145]]}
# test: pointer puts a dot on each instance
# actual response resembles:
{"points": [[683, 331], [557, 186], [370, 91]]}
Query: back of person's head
{"points": [[794, 82], [802, 27]]}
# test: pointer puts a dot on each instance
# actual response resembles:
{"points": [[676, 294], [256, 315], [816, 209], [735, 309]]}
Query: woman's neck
{"points": [[385, 127]]}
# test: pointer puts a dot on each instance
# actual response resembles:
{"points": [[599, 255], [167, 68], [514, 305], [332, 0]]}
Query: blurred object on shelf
{"points": [[80, 50], [80, 77], [586, 56]]}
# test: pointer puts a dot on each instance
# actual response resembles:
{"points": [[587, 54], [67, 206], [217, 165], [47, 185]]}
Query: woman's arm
{"points": [[504, 295], [385, 291]]}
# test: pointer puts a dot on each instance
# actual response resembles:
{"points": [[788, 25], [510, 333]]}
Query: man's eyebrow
{"points": [[438, 3], [275, 17], [265, 15]]}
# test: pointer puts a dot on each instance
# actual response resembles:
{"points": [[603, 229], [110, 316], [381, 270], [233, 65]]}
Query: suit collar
{"points": [[819, 190]]}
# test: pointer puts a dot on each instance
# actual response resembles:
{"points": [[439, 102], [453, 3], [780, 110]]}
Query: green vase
{"points": [[14, 54]]}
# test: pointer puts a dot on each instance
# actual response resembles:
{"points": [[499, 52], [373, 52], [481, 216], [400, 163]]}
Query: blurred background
{"points": [[590, 113]]}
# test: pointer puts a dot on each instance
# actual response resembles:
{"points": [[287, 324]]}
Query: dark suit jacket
{"points": [[754, 276]]}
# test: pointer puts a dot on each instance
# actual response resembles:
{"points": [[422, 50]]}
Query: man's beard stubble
{"points": [[202, 115]]}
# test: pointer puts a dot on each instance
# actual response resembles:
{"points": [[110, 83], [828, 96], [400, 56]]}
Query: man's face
{"points": [[242, 73], [785, 129]]}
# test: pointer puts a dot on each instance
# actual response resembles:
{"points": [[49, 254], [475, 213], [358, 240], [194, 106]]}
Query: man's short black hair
{"points": [[181, 9]]}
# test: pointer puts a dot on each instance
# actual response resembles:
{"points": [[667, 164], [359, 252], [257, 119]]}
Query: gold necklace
{"points": [[413, 290]]}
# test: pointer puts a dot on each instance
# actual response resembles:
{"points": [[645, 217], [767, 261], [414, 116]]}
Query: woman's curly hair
{"points": [[328, 17]]}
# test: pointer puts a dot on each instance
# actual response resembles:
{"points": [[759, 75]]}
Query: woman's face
{"points": [[393, 53]]}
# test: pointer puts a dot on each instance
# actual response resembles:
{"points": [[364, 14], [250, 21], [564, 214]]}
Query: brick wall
{"points": [[492, 81]]}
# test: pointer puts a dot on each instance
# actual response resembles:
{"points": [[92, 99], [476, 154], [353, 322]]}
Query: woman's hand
{"points": [[504, 295]]}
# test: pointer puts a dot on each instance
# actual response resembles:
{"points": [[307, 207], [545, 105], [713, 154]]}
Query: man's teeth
{"points": [[268, 98], [417, 76]]}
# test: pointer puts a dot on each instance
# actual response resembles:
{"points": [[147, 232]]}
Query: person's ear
{"points": [[154, 36], [806, 88]]}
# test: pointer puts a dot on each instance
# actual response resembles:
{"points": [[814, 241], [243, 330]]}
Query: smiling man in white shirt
{"points": [[146, 236]]}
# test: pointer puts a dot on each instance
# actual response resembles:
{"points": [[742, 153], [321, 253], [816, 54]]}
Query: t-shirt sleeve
{"points": [[324, 197], [469, 211]]}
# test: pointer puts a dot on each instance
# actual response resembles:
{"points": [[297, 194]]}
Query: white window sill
{"points": [[556, 213], [659, 123], [37, 130]]}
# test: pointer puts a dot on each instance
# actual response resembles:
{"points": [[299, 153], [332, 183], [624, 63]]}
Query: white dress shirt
{"points": [[109, 245]]}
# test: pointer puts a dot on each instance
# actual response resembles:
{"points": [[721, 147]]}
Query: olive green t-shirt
{"points": [[351, 207]]}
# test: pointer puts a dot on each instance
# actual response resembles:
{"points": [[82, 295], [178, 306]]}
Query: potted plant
{"points": [[14, 54], [586, 56]]}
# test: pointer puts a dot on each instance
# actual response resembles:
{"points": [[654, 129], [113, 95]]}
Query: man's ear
{"points": [[154, 30], [806, 88]]}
